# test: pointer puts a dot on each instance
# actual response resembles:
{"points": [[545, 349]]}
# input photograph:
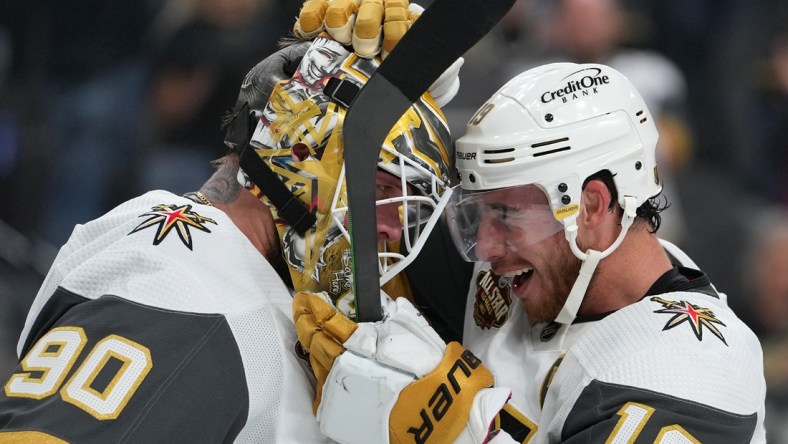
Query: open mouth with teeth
{"points": [[519, 278]]}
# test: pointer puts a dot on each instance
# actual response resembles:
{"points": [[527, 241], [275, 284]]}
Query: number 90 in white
{"points": [[56, 353]]}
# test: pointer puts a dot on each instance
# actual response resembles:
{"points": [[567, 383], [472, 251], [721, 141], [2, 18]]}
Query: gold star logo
{"points": [[696, 316], [178, 218]]}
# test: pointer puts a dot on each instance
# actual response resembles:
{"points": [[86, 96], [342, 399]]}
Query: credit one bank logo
{"points": [[578, 84]]}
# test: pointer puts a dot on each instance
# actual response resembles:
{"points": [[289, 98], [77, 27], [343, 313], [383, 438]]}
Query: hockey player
{"points": [[602, 331], [165, 320]]}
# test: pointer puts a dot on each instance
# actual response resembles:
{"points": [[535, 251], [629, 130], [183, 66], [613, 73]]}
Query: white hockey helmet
{"points": [[553, 127]]}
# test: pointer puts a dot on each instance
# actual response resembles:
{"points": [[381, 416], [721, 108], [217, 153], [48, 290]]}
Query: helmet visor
{"points": [[488, 224]]}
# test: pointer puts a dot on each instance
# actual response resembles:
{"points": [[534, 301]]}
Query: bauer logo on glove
{"points": [[393, 381], [457, 379]]}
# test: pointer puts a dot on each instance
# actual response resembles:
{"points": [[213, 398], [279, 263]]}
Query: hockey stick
{"points": [[443, 33]]}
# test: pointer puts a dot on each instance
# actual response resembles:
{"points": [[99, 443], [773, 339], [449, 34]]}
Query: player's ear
{"points": [[595, 204]]}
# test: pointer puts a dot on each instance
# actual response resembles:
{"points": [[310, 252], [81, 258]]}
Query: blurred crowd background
{"points": [[102, 100]]}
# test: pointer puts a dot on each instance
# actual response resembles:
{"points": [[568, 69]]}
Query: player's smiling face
{"points": [[521, 239]]}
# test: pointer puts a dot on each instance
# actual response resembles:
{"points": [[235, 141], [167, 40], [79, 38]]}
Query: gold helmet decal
{"points": [[299, 136]]}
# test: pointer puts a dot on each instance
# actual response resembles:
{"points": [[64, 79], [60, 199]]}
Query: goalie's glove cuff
{"points": [[437, 407], [360, 393], [397, 381], [480, 427], [354, 406]]}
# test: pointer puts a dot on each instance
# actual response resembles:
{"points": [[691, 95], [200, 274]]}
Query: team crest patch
{"points": [[177, 218], [493, 299], [696, 316]]}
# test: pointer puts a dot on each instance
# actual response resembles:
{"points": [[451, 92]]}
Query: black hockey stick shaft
{"points": [[443, 33]]}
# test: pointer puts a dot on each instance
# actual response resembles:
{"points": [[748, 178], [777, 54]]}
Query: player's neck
{"points": [[255, 221], [247, 212], [626, 275]]}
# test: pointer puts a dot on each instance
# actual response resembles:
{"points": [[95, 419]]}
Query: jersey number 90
{"points": [[54, 355]]}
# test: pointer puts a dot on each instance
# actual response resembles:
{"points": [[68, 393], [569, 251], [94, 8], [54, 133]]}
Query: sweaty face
{"points": [[388, 186], [387, 213], [521, 239]]}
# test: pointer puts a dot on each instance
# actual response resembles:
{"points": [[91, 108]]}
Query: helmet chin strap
{"points": [[590, 260]]}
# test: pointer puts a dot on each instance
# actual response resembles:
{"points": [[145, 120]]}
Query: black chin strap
{"points": [[238, 136], [342, 91], [289, 207]]}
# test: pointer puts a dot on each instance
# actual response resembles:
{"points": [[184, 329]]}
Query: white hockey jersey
{"points": [[159, 322], [676, 367]]}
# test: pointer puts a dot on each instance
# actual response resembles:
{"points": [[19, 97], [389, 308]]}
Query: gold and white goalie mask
{"points": [[299, 136]]}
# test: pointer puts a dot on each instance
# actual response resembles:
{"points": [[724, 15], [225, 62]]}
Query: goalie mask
{"points": [[546, 131], [299, 137]]}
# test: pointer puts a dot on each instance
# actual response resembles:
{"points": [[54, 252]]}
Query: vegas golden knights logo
{"points": [[698, 318], [174, 219]]}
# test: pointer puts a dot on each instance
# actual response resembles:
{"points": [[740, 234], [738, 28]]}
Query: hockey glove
{"points": [[368, 25], [372, 27], [321, 330], [399, 383]]}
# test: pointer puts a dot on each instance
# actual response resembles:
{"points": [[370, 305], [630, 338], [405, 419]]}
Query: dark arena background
{"points": [[102, 100]]}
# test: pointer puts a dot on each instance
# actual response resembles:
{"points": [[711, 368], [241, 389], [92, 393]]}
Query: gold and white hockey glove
{"points": [[368, 25], [321, 330], [398, 382], [371, 27]]}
